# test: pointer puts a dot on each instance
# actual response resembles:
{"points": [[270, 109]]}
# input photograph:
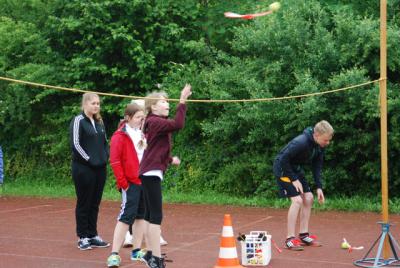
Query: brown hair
{"points": [[152, 99], [88, 96], [130, 110]]}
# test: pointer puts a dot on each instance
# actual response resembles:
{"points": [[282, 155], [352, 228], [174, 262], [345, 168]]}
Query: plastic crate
{"points": [[256, 249]]}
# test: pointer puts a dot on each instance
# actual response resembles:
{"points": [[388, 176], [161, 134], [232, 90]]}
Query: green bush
{"points": [[306, 47], [127, 47]]}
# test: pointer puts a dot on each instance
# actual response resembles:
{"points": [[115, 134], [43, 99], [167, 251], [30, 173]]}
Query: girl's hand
{"points": [[185, 93], [176, 161], [321, 197]]}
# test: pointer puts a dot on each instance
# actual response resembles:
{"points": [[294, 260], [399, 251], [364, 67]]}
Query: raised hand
{"points": [[185, 93]]}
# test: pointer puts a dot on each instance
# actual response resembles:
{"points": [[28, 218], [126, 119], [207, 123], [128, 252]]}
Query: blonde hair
{"points": [[153, 98], [88, 96], [323, 127]]}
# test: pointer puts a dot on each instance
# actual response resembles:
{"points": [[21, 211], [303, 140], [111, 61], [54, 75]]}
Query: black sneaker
{"points": [[309, 240], [156, 262], [98, 242], [162, 263], [293, 243], [146, 257], [84, 244]]}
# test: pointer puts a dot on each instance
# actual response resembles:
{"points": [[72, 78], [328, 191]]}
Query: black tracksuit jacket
{"points": [[88, 145]]}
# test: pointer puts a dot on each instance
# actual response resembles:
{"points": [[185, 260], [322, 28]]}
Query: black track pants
{"points": [[89, 184]]}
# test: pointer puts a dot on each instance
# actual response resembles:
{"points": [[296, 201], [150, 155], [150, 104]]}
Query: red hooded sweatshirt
{"points": [[123, 159]]}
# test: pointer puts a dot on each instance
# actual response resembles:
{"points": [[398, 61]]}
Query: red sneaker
{"points": [[310, 240], [293, 243]]}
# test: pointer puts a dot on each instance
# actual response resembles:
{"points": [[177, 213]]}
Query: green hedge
{"points": [[127, 47]]}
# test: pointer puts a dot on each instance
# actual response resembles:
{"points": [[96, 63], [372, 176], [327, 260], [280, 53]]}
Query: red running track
{"points": [[36, 232]]}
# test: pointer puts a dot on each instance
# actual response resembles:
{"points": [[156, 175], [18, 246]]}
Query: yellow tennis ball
{"points": [[345, 245], [275, 6]]}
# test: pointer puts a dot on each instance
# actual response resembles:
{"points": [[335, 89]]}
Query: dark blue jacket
{"points": [[302, 150]]}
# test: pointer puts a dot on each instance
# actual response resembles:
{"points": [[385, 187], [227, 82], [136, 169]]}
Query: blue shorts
{"points": [[132, 206]]}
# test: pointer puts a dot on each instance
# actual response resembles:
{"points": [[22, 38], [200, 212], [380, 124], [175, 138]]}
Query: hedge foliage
{"points": [[127, 47]]}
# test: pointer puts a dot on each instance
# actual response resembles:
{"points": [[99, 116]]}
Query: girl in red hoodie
{"points": [[157, 156], [126, 151]]}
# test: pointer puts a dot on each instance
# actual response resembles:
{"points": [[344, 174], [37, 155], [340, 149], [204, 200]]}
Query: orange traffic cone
{"points": [[227, 252]]}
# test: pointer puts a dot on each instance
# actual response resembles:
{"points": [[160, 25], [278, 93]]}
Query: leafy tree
{"points": [[126, 47], [306, 47]]}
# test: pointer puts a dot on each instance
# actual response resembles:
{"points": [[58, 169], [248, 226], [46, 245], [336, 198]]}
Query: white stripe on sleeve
{"points": [[75, 131]]}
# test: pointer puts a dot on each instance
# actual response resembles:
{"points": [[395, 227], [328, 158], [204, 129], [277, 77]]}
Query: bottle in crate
{"points": [[256, 249]]}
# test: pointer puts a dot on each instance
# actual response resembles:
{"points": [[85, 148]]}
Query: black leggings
{"points": [[89, 185], [152, 199]]}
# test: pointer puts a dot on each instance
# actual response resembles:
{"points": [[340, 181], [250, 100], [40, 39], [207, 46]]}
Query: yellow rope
{"points": [[205, 101]]}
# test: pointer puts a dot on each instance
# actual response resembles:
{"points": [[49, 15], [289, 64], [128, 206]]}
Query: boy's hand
{"points": [[299, 187], [185, 93], [321, 197], [176, 161]]}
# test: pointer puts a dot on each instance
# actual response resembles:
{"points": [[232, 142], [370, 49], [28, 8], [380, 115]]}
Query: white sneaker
{"points": [[162, 241], [128, 240]]}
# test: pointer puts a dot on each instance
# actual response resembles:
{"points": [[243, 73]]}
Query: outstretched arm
{"points": [[170, 125]]}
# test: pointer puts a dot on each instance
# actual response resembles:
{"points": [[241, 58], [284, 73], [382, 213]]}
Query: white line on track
{"points": [[20, 209], [59, 211], [51, 258], [35, 239], [253, 222]]}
